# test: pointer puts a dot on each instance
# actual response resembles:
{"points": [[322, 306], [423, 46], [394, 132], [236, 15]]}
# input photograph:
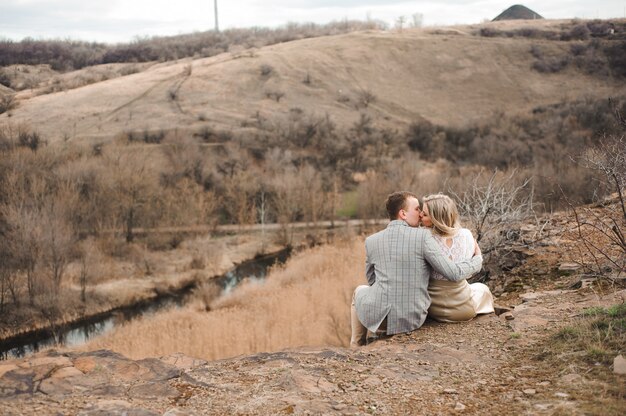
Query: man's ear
{"points": [[402, 214]]}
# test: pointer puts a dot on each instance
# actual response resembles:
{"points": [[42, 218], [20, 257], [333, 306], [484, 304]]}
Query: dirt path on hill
{"points": [[490, 365]]}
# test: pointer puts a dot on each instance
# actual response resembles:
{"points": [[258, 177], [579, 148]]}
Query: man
{"points": [[397, 270]]}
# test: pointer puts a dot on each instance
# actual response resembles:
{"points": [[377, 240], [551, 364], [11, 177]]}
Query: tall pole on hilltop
{"points": [[217, 26]]}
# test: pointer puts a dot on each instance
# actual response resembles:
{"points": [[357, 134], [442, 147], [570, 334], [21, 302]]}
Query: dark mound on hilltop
{"points": [[518, 12]]}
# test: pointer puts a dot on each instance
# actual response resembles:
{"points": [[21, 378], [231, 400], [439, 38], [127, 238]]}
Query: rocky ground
{"points": [[490, 365], [497, 364]]}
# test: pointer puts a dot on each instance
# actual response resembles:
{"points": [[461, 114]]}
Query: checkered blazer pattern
{"points": [[397, 268]]}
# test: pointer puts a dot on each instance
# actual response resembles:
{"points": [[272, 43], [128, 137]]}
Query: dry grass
{"points": [[403, 71], [304, 303], [589, 344]]}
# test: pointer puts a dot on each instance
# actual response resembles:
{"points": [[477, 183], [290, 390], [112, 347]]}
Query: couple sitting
{"points": [[414, 271]]}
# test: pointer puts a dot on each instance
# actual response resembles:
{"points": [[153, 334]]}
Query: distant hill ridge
{"points": [[518, 12], [394, 78]]}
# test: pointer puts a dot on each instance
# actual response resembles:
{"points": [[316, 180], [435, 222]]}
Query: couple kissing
{"points": [[413, 271]]}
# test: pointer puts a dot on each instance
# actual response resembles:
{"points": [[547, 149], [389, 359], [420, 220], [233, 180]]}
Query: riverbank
{"points": [[144, 277], [196, 261]]}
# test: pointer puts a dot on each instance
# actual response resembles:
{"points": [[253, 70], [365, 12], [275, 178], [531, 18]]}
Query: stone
{"points": [[619, 365], [529, 392], [568, 268], [508, 316], [55, 387], [115, 408], [108, 390], [85, 364], [179, 412], [499, 309], [372, 381], [182, 361], [326, 386], [527, 317], [585, 283], [128, 371], [19, 381], [6, 368], [307, 382], [67, 372], [450, 391], [47, 361], [459, 407], [530, 296], [571, 378], [159, 371], [153, 391], [542, 406], [561, 395]]}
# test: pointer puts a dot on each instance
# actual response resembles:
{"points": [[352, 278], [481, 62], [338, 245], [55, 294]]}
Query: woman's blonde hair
{"points": [[443, 214]]}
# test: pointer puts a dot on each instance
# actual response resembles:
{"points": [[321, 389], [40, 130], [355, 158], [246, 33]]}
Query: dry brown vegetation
{"points": [[394, 78], [196, 144], [68, 55], [303, 303]]}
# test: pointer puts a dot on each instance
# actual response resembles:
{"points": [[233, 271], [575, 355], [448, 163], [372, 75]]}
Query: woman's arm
{"points": [[446, 267]]}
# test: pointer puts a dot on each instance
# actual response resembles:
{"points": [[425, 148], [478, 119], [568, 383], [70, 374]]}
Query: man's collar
{"points": [[398, 223]]}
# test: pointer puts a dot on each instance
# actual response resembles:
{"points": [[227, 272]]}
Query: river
{"points": [[80, 332]]}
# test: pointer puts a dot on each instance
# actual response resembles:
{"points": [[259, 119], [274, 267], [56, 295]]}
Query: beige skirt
{"points": [[450, 301]]}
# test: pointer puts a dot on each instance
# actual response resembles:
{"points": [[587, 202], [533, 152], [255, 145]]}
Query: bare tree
{"points": [[23, 233], [417, 19], [57, 237], [492, 203], [90, 265], [601, 229], [493, 206], [400, 22], [132, 185]]}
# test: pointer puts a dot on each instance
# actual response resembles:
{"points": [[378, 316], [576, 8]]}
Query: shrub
{"points": [[365, 98], [30, 139], [274, 95], [4, 78], [616, 56], [7, 103], [266, 70], [536, 51], [579, 32], [578, 49], [489, 32], [598, 27], [550, 65], [595, 338], [147, 136], [67, 55]]}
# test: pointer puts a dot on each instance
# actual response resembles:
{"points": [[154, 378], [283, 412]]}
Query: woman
{"points": [[452, 301]]}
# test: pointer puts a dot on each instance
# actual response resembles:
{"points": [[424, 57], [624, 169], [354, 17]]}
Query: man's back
{"points": [[397, 269], [398, 276]]}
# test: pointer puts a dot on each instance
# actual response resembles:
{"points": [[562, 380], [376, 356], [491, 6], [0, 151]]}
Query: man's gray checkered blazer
{"points": [[398, 268]]}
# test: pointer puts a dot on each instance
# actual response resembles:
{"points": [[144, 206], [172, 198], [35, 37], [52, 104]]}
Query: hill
{"points": [[448, 77], [516, 12]]}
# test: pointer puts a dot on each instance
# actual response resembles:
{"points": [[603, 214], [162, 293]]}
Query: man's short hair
{"points": [[397, 201]]}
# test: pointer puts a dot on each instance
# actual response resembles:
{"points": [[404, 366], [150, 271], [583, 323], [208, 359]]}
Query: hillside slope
{"points": [[445, 76]]}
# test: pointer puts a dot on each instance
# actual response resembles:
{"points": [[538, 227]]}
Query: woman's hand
{"points": [[477, 251]]}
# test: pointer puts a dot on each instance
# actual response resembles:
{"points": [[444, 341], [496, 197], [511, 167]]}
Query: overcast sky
{"points": [[125, 20]]}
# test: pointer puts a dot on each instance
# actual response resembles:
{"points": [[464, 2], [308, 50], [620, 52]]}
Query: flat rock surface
{"points": [[477, 367]]}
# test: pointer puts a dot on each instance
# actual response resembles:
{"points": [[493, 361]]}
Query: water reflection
{"points": [[79, 334]]}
